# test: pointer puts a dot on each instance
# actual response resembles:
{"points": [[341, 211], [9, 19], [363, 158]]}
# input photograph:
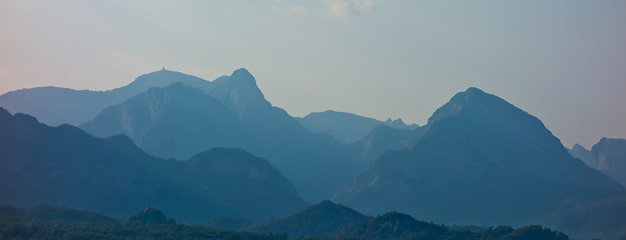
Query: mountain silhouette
{"points": [[346, 127], [64, 166], [324, 219], [581, 153], [399, 123], [395, 225], [54, 106], [609, 157], [178, 121], [150, 215], [480, 161], [384, 138]]}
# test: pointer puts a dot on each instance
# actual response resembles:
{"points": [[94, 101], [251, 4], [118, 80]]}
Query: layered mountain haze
{"points": [[64, 166], [179, 121], [384, 138], [479, 156], [347, 127], [218, 153], [54, 105], [176, 121], [607, 156], [399, 123], [581, 153]]}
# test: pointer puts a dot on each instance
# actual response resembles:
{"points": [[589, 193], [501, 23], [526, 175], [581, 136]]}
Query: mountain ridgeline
{"points": [[347, 127], [395, 225], [178, 121], [202, 150], [64, 166], [46, 222], [324, 219], [480, 161], [54, 106], [607, 156]]}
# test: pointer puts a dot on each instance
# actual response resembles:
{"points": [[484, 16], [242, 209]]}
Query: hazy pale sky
{"points": [[563, 61]]}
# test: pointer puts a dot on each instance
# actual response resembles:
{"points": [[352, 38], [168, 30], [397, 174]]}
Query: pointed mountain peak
{"points": [[240, 89], [4, 113], [603, 140], [470, 94], [474, 90], [242, 73], [243, 78], [398, 121], [474, 102], [399, 124], [578, 147]]}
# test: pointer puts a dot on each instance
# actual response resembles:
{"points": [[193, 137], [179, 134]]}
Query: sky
{"points": [[563, 61]]}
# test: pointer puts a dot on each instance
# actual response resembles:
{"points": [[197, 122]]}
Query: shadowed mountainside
{"points": [[179, 121], [479, 156], [396, 225], [324, 219], [64, 166]]}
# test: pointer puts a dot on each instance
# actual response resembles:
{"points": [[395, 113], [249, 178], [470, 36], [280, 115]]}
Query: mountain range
{"points": [[480, 161], [54, 106], [47, 222], [65, 166], [347, 127], [395, 225], [219, 150], [607, 156], [178, 121]]}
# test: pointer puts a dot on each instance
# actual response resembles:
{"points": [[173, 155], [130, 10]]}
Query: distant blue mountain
{"points": [[607, 156], [64, 166], [178, 121], [581, 153], [54, 106], [347, 127], [480, 160]]}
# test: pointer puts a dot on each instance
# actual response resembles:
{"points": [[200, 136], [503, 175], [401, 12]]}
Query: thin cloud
{"points": [[346, 8], [324, 8]]}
